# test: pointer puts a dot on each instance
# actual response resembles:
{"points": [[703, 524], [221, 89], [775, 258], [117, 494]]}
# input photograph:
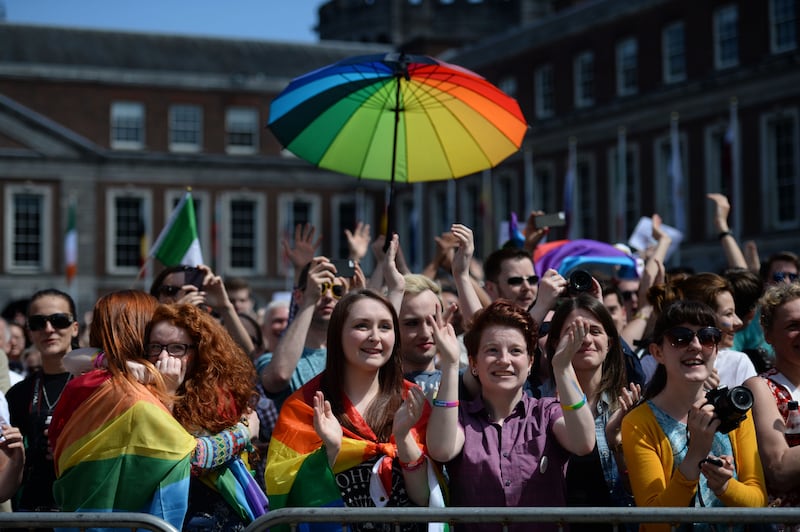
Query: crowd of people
{"points": [[472, 383]]}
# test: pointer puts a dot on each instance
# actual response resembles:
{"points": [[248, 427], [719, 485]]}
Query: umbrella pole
{"points": [[390, 205]]}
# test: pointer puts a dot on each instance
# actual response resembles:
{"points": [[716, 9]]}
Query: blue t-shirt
{"points": [[311, 364]]}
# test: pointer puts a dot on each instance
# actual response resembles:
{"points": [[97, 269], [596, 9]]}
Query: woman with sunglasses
{"points": [[674, 452], [54, 332], [773, 390]]}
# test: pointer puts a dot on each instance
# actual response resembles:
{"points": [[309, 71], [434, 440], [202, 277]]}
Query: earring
{"points": [[475, 372]]}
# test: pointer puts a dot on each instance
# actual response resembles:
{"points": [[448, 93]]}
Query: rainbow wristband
{"points": [[445, 404], [576, 405]]}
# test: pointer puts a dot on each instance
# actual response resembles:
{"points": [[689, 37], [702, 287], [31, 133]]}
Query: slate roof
{"points": [[23, 45]]}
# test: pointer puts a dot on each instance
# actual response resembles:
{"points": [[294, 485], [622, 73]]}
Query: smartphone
{"points": [[344, 267], [556, 219], [194, 276]]}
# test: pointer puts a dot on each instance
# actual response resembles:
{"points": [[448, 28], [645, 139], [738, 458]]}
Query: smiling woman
{"points": [[356, 433]]}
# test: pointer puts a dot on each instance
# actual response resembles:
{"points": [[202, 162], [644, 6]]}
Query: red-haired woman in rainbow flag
{"points": [[355, 435], [117, 447]]}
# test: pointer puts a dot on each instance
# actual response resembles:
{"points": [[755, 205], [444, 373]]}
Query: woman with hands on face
{"points": [[356, 432], [674, 452], [505, 448]]}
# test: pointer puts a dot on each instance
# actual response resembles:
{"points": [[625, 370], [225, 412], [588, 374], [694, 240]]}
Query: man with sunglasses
{"points": [[509, 274], [301, 352]]}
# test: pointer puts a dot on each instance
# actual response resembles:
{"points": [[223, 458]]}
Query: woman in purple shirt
{"points": [[505, 448]]}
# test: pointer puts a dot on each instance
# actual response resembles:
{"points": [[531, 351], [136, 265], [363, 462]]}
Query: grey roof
{"points": [[152, 52]]}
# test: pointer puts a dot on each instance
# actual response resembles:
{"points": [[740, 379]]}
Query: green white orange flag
{"points": [[71, 245], [178, 243]]}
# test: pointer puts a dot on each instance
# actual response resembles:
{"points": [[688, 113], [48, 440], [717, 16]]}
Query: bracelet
{"points": [[640, 316], [413, 465], [724, 234], [445, 404], [99, 359], [576, 405]]}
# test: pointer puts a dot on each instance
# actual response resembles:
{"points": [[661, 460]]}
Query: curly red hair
{"points": [[220, 384]]}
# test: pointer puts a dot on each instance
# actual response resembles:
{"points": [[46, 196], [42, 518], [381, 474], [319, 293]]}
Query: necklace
{"points": [[51, 406]]}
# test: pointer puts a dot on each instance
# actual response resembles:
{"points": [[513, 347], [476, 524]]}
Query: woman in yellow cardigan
{"points": [[676, 455]]}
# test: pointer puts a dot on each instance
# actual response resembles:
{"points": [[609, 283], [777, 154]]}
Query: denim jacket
{"points": [[616, 488]]}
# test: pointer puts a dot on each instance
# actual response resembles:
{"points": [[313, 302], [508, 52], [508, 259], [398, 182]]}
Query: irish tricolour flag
{"points": [[178, 243]]}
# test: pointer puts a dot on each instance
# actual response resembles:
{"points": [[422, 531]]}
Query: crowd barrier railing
{"points": [[83, 520], [505, 516]]}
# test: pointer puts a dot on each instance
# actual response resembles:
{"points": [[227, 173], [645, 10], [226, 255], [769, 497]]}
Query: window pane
{"points": [[544, 91], [242, 129], [129, 223], [627, 75], [726, 46], [674, 53], [243, 234], [28, 229], [785, 179], [127, 125], [784, 23], [185, 125], [584, 80]]}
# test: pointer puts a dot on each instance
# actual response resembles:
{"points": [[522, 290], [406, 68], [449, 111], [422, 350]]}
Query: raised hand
{"points": [[533, 234], [409, 413], [722, 210], [447, 343], [465, 248], [569, 343], [327, 426], [358, 240], [628, 398], [305, 247]]}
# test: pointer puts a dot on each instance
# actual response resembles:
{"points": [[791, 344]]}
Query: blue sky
{"points": [[283, 20]]}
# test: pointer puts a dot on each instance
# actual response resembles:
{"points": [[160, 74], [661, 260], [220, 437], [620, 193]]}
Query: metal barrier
{"points": [[505, 516], [84, 520]]}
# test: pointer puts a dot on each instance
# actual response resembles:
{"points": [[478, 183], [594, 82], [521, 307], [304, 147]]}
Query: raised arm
{"points": [[468, 298], [305, 247], [358, 241], [217, 298], [733, 254], [445, 437]]}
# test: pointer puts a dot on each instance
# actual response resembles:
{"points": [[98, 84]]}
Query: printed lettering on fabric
{"points": [[354, 487]]}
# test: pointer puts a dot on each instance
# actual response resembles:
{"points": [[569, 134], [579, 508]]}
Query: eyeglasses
{"points": [[516, 281], [779, 277], [627, 295], [60, 320], [681, 336], [337, 290], [544, 328], [169, 290], [173, 350]]}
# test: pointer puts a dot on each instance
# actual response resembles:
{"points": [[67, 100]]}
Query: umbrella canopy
{"points": [[397, 117], [566, 255]]}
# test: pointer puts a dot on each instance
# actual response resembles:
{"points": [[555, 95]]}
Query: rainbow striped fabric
{"points": [[298, 474], [117, 448]]}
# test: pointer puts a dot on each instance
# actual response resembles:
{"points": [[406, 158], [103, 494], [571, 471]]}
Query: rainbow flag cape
{"points": [[117, 448], [298, 474]]}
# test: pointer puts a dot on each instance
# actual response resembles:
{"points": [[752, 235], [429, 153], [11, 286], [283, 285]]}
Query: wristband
{"points": [[99, 359], [413, 465], [724, 234], [576, 405], [445, 404]]}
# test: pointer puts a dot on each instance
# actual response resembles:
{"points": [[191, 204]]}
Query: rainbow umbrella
{"points": [[397, 117]]}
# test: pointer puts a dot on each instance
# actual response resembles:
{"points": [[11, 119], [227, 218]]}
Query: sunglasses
{"points": [[516, 281], [60, 320], [337, 290], [544, 328], [681, 336], [627, 295], [779, 277], [169, 290]]}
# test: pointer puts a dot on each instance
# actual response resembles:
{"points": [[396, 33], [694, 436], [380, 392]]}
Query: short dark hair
{"points": [[781, 256], [493, 264], [747, 288]]}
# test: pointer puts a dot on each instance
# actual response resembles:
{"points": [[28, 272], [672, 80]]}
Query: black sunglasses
{"points": [[544, 328], [627, 295], [778, 277], [682, 336], [337, 290], [516, 281], [59, 320], [169, 290]]}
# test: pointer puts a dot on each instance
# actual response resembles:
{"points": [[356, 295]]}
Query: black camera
{"points": [[579, 281], [730, 406]]}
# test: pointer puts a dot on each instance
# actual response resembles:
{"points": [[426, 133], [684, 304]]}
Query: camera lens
{"points": [[741, 398], [580, 281]]}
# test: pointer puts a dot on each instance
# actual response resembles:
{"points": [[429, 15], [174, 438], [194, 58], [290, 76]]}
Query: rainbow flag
{"points": [[117, 448], [298, 474]]}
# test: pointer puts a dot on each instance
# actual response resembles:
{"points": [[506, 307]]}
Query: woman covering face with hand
{"points": [[675, 452], [356, 432], [505, 448]]}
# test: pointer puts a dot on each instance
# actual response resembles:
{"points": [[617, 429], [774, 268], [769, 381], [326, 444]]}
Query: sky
{"points": [[281, 20]]}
